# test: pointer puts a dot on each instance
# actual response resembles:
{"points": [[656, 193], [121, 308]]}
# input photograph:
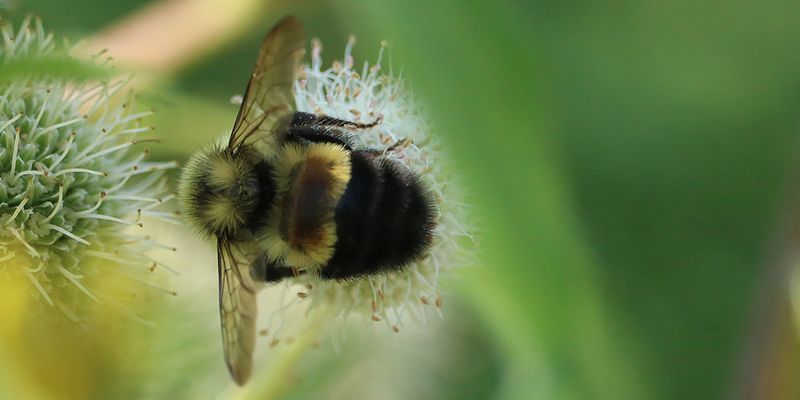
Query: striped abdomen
{"points": [[384, 219]]}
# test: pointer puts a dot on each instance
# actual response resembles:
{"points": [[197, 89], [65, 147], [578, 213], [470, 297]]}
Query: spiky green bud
{"points": [[74, 183]]}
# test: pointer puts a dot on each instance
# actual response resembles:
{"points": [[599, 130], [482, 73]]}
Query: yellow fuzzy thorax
{"points": [[292, 164], [216, 213]]}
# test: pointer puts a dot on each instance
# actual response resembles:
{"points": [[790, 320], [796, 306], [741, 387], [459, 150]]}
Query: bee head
{"points": [[222, 191]]}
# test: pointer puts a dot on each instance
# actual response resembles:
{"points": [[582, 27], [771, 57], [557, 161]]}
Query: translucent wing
{"points": [[269, 94], [237, 308]]}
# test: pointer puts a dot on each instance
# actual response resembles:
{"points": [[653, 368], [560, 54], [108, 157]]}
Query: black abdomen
{"points": [[384, 220]]}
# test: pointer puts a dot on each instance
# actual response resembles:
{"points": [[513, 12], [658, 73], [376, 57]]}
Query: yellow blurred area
{"points": [[14, 294], [53, 357]]}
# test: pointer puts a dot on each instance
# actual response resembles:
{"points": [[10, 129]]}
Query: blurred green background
{"points": [[631, 167]]}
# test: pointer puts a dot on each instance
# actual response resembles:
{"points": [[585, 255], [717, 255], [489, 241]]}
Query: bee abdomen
{"points": [[384, 220]]}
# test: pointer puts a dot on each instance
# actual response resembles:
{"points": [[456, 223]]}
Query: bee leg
{"points": [[307, 119], [319, 134], [263, 270], [277, 274], [331, 121], [400, 144]]}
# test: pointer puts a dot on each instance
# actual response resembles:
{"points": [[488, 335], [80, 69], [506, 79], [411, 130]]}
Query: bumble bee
{"points": [[290, 193]]}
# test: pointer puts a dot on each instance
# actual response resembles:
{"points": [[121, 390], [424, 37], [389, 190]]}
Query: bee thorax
{"points": [[222, 192]]}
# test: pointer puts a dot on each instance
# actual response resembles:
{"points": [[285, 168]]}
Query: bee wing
{"points": [[237, 308], [269, 94]]}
